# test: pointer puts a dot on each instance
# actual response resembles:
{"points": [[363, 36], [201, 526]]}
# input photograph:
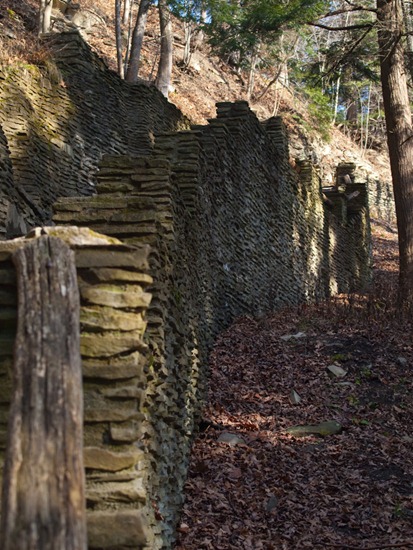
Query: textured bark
{"points": [[137, 41], [118, 32], [399, 133], [163, 78], [126, 11], [43, 503], [408, 27]]}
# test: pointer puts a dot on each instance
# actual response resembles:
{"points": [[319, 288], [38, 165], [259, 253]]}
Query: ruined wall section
{"points": [[381, 200], [56, 122]]}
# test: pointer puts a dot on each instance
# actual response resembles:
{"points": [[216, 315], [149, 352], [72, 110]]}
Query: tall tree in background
{"points": [[399, 133], [408, 26], [118, 35], [128, 67], [399, 128], [45, 13], [193, 15], [163, 78], [137, 41]]}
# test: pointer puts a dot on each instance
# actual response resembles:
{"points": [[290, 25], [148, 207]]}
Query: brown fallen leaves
{"points": [[277, 491]]}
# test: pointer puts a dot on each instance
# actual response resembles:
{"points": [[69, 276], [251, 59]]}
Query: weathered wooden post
{"points": [[43, 485]]}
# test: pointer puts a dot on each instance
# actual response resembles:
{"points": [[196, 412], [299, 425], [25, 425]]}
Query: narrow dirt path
{"points": [[253, 484]]}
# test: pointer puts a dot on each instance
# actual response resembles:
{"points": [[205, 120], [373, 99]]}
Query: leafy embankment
{"points": [[254, 485]]}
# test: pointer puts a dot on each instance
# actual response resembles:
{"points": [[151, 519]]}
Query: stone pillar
{"points": [[112, 278]]}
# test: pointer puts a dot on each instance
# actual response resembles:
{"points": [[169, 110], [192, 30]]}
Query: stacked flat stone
{"points": [[234, 230], [135, 202], [54, 127], [113, 279]]}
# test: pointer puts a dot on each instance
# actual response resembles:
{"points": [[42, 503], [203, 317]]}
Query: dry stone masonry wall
{"points": [[233, 230], [57, 121], [112, 279], [210, 221]]}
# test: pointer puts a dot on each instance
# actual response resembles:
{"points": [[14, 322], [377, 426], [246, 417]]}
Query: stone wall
{"points": [[56, 121], [381, 200], [233, 230], [112, 280]]}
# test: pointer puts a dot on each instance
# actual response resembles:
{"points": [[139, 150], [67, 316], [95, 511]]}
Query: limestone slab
{"points": [[110, 343], [113, 258], [125, 432], [98, 458], [108, 274], [117, 491], [117, 296], [122, 392], [107, 318], [115, 368], [114, 529], [111, 414]]}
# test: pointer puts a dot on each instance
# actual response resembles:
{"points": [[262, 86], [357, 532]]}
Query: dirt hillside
{"points": [[195, 89]]}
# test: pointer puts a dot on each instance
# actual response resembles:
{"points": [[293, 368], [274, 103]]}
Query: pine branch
{"points": [[349, 10], [350, 50], [344, 28]]}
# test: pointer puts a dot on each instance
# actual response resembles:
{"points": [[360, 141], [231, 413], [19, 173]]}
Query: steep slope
{"points": [[196, 88]]}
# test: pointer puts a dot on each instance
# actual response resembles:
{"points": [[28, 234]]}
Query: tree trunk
{"points": [[126, 12], [399, 133], [251, 74], [118, 31], [137, 41], [163, 78], [367, 123], [336, 97], [187, 42], [43, 503], [408, 26], [45, 14], [352, 113]]}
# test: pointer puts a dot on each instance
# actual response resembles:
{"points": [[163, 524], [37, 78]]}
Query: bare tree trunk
{"points": [[137, 41], [198, 34], [187, 47], [408, 25], [43, 503], [352, 113], [126, 11], [251, 74], [163, 78], [336, 97], [118, 30], [399, 133], [45, 14], [366, 139]]}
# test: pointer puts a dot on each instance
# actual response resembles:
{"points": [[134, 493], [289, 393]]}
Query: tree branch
{"points": [[350, 10], [344, 28], [351, 49]]}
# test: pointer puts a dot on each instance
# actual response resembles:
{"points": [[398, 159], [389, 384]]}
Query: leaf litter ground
{"points": [[268, 489]]}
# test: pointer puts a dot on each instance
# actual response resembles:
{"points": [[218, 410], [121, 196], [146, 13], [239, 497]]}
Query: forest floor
{"points": [[254, 485]]}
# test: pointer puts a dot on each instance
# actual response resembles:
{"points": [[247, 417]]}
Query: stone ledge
{"points": [[112, 530], [97, 458]]}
